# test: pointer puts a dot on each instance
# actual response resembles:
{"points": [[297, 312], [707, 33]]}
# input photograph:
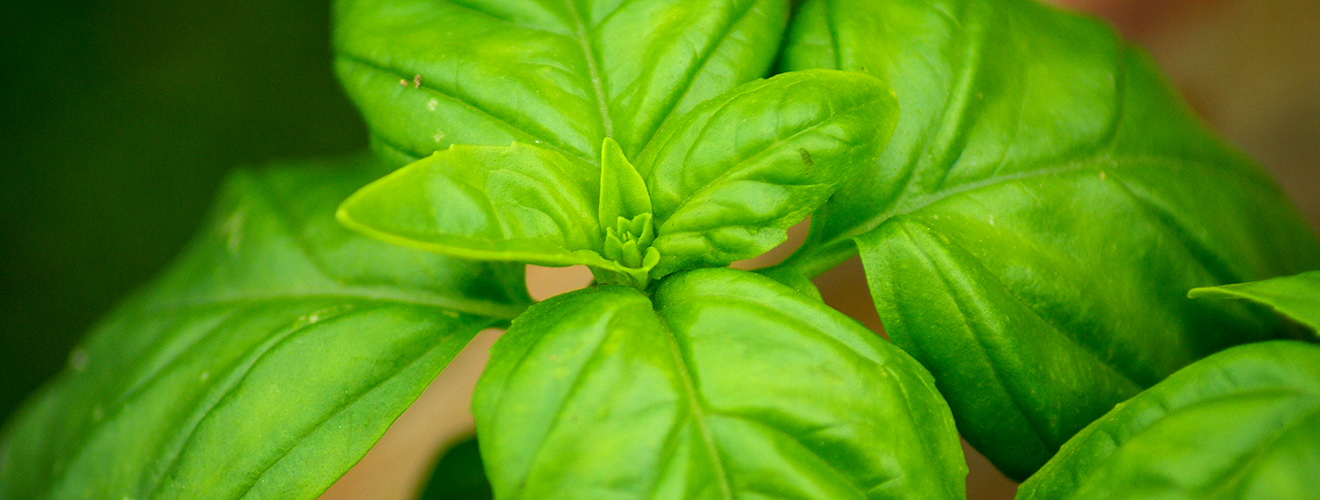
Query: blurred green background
{"points": [[121, 118]]}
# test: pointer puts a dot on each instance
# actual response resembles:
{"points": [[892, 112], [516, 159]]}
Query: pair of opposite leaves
{"points": [[1243, 423], [838, 413], [720, 183], [1029, 234]]}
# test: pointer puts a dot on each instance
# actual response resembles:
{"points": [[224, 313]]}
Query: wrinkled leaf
{"points": [[730, 386], [559, 74], [458, 475], [729, 178], [513, 203], [263, 364], [1044, 204], [1244, 423], [1296, 296]]}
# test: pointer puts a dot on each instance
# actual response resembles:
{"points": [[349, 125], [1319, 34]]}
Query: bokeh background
{"points": [[122, 116]]}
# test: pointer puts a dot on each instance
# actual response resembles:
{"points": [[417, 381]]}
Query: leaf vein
{"points": [[697, 409], [237, 374], [337, 411], [980, 343], [694, 71]]}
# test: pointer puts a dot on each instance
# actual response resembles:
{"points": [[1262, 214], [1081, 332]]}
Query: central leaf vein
{"points": [[703, 59], [594, 72], [1033, 424], [698, 411]]}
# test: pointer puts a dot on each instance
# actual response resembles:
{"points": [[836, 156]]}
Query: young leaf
{"points": [[263, 364], [730, 386], [622, 191], [729, 178], [1296, 296], [1031, 230], [512, 203], [1244, 423], [559, 74], [458, 475]]}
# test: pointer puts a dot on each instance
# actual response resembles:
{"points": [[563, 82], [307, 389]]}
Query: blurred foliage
{"points": [[121, 117]]}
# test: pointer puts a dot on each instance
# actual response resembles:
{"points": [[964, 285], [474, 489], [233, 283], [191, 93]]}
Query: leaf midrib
{"points": [[336, 412], [584, 42], [1258, 452], [1255, 454], [1013, 398], [290, 224], [354, 294], [235, 375], [740, 167], [801, 324], [696, 409]]}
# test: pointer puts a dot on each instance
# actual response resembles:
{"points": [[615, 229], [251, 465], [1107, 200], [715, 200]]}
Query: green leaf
{"points": [[730, 386], [264, 363], [458, 475], [559, 74], [791, 279], [1244, 423], [622, 191], [513, 203], [1296, 296], [625, 214], [729, 178], [1031, 230]]}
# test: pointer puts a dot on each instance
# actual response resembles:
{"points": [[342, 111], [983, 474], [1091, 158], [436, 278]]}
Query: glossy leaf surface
{"points": [[722, 183], [729, 178], [515, 203], [458, 475], [623, 193], [1244, 423], [264, 363], [560, 74], [1296, 296], [1046, 201], [730, 385]]}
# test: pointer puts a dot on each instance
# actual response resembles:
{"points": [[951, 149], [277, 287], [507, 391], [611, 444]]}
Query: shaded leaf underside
{"points": [[1296, 296]]}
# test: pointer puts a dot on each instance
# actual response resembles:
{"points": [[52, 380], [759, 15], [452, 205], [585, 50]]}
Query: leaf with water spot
{"points": [[561, 74], [264, 363]]}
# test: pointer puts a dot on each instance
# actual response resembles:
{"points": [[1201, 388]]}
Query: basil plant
{"points": [[1031, 202]]}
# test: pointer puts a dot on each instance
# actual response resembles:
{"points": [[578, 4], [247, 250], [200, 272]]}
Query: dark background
{"points": [[122, 116], [120, 119]]}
